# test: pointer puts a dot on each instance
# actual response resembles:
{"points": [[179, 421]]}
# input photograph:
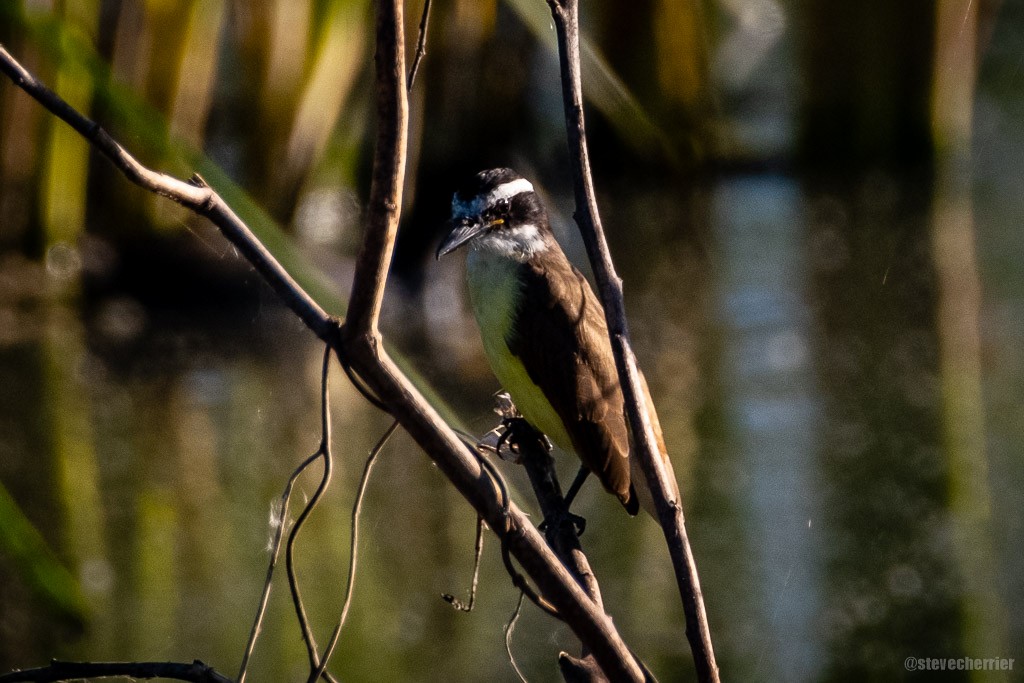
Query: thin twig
{"points": [[353, 551], [478, 449], [509, 628], [477, 555], [421, 46], [640, 410], [325, 480], [520, 582], [361, 387], [198, 197], [325, 402], [279, 522]]}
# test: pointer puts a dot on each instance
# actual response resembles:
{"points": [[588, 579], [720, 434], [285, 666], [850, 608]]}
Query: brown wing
{"points": [[562, 340]]}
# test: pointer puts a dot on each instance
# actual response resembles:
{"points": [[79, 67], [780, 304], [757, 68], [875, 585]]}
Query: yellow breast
{"points": [[495, 293]]}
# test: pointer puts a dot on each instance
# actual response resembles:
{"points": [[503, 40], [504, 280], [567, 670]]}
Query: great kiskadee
{"points": [[543, 330]]}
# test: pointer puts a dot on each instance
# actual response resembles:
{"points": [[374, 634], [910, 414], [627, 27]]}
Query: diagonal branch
{"points": [[421, 46], [194, 195], [638, 407], [359, 344]]}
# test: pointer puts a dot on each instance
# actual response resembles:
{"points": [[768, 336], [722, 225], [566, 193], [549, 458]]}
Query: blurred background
{"points": [[815, 207]]}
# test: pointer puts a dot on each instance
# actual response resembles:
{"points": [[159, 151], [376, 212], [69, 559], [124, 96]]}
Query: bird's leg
{"points": [[534, 450], [503, 439], [564, 516], [576, 485]]}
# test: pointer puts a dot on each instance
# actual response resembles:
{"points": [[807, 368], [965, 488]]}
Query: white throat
{"points": [[520, 243]]}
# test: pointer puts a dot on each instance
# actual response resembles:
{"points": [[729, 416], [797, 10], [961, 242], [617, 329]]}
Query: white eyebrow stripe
{"points": [[509, 190], [476, 205]]}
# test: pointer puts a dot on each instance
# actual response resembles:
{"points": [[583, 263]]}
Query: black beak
{"points": [[462, 232]]}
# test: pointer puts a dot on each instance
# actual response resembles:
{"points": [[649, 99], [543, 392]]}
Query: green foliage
{"points": [[35, 562]]}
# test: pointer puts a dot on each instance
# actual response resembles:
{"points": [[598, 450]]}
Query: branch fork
{"points": [[358, 343]]}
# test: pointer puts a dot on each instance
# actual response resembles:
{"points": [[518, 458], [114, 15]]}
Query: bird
{"points": [[544, 332]]}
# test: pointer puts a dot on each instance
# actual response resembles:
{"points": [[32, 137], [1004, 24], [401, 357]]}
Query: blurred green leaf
{"points": [[36, 563], [602, 87], [151, 133]]}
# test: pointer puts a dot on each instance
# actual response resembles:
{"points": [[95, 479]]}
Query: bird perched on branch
{"points": [[544, 332]]}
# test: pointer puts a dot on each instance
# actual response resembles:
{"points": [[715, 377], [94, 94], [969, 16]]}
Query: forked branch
{"points": [[359, 344]]}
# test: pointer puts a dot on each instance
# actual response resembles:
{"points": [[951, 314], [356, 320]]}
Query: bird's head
{"points": [[497, 210]]}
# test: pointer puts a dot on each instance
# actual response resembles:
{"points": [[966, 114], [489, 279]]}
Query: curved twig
{"points": [[520, 582], [353, 551], [509, 628], [323, 452], [361, 387], [281, 521], [478, 552]]}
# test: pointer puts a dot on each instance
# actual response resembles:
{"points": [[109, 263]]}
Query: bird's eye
{"points": [[501, 206]]}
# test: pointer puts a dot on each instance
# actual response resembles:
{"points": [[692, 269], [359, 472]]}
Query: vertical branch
{"points": [[663, 490], [385, 203], [360, 343]]}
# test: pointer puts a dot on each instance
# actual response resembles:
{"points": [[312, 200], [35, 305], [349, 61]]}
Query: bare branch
{"points": [[282, 522], [385, 205], [195, 195], [353, 563], [421, 46], [640, 410], [560, 532], [197, 672], [358, 343]]}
